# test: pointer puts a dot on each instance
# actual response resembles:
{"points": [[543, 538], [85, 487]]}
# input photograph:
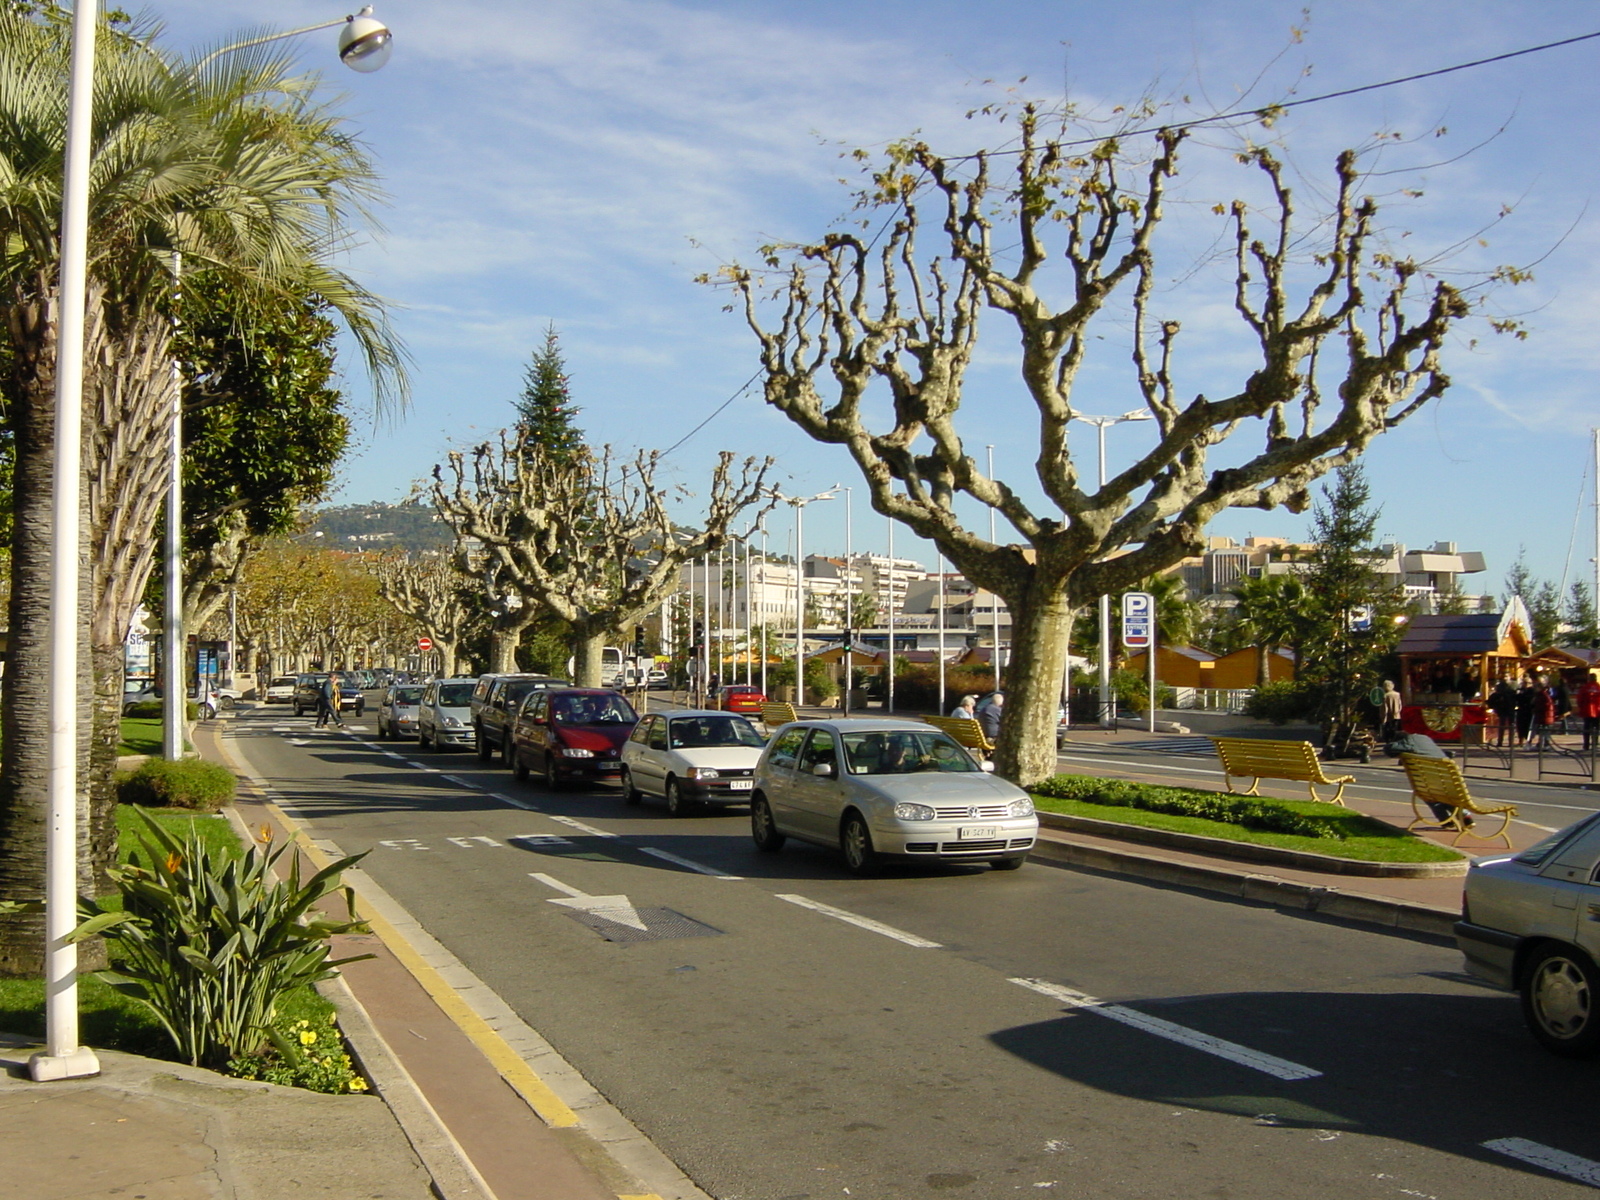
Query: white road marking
{"points": [[393, 754], [471, 843], [612, 908], [298, 742], [867, 923], [687, 862], [580, 826], [542, 839], [515, 803], [1280, 1068], [403, 844], [458, 780], [1547, 1158]]}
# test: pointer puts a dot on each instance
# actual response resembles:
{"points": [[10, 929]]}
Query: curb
{"points": [[1249, 852], [1397, 915]]}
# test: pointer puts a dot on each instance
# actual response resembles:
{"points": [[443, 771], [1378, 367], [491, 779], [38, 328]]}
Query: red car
{"points": [[571, 735], [740, 698]]}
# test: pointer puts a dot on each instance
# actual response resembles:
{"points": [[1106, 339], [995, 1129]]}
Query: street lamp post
{"points": [[1107, 717], [849, 609], [798, 503], [364, 44]]}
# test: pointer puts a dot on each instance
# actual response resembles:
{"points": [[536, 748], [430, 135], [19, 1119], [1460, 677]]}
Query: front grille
{"points": [[981, 812], [974, 847], [922, 847], [735, 772]]}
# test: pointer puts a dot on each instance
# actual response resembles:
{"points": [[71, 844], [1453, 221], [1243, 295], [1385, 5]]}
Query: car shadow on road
{"points": [[1448, 1072]]}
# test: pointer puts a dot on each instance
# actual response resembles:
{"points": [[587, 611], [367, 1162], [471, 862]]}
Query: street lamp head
{"points": [[365, 42]]}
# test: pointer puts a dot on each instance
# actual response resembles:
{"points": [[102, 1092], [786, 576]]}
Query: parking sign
{"points": [[1138, 620]]}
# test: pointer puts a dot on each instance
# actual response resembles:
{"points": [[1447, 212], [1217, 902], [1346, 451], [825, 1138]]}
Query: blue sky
{"points": [[580, 161]]}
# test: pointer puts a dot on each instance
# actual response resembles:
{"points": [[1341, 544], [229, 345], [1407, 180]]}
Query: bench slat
{"points": [[1262, 758], [964, 730]]}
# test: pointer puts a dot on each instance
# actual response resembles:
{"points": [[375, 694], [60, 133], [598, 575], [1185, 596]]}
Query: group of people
{"points": [[1531, 709], [985, 712]]}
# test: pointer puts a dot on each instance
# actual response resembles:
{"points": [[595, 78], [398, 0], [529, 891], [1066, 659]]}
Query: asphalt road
{"points": [[783, 1031]]}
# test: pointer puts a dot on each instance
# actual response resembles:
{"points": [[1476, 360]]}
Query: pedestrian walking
{"points": [[1390, 714], [1544, 712], [1527, 696], [1587, 704], [1502, 703], [328, 702], [966, 708]]}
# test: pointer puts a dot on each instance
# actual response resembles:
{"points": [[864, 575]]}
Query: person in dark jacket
{"points": [[989, 713], [1527, 697], [1502, 703], [1422, 746]]}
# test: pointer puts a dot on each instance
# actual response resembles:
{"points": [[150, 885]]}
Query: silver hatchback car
{"points": [[1530, 922], [886, 787]]}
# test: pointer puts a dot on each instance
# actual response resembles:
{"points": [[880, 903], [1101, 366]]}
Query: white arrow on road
{"points": [[613, 908]]}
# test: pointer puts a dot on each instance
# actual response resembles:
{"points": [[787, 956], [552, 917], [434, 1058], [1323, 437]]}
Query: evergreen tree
{"points": [[1583, 628], [545, 410], [1519, 580], [1544, 611]]}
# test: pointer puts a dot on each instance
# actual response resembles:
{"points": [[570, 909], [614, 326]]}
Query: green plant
{"points": [[181, 783], [155, 709], [305, 1054], [1286, 700], [819, 684], [1263, 815], [211, 944]]}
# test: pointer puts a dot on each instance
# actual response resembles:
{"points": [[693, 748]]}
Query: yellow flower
{"points": [[308, 1037], [358, 1084]]}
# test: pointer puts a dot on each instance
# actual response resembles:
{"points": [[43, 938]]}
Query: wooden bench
{"points": [[1258, 759], [1439, 781], [774, 714], [966, 731]]}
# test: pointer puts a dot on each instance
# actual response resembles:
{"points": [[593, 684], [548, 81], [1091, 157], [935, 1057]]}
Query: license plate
{"points": [[975, 833], [739, 785]]}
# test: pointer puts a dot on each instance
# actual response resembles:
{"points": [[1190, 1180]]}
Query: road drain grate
{"points": [[660, 925]]}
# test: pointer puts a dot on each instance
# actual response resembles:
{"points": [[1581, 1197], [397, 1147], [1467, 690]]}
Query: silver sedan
{"points": [[876, 788]]}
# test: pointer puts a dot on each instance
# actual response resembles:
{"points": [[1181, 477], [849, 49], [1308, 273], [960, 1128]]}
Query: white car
{"points": [[887, 787], [1530, 923], [690, 758], [280, 690], [444, 716]]}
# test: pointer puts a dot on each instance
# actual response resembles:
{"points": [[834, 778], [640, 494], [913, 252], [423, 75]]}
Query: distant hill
{"points": [[377, 526]]}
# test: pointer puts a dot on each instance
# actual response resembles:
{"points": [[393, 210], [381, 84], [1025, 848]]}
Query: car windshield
{"points": [[902, 751], [689, 732], [407, 695], [455, 695], [592, 710], [518, 688], [1536, 854], [282, 681]]}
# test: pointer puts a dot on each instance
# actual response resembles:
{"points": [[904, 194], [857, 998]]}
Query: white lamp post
{"points": [[364, 44], [849, 604], [1107, 716], [798, 503]]}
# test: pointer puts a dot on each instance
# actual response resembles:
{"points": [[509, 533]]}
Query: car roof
{"points": [[700, 712], [865, 724], [578, 691], [457, 679]]}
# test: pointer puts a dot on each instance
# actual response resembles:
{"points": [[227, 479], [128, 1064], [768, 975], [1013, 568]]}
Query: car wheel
{"points": [[226, 703], [630, 794], [484, 749], [763, 829], [361, 707], [519, 768], [298, 711], [677, 804], [855, 839], [552, 781], [1558, 993], [1009, 864]]}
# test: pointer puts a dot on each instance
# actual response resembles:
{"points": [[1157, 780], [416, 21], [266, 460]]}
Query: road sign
{"points": [[1138, 620], [424, 644]]}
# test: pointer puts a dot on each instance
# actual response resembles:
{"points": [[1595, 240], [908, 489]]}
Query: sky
{"points": [[580, 162]]}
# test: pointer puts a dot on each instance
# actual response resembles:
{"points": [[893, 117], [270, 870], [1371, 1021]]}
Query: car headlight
{"points": [[700, 773], [1022, 808], [576, 752], [452, 723], [907, 811]]}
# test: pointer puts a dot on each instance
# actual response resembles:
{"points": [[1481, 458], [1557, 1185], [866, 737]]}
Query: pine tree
{"points": [[1583, 629], [545, 410]]}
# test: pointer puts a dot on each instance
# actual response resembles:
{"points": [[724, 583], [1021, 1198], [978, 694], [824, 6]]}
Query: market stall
{"points": [[1449, 665]]}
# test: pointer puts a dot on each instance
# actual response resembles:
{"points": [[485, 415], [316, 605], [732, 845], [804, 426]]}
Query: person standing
{"points": [[989, 713], [1544, 712], [1390, 712], [1587, 702], [1527, 696], [1502, 703]]}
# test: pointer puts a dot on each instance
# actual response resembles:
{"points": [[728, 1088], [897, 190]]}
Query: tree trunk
{"points": [[588, 657], [1041, 623]]}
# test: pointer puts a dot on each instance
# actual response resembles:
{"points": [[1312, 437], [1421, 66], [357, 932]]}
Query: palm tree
{"points": [[231, 168], [1272, 614]]}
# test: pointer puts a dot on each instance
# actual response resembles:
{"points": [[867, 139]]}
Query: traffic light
{"points": [[638, 642]]}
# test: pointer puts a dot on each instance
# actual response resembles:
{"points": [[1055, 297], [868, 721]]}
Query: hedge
{"points": [[185, 783], [1260, 815]]}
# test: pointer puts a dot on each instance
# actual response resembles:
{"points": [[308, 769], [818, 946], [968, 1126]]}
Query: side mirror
{"points": [[986, 766], [824, 770]]}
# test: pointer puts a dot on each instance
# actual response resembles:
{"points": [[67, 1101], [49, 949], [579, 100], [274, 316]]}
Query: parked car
{"points": [[740, 698], [655, 678], [571, 735], [885, 787], [309, 685], [444, 715], [690, 758], [494, 702], [397, 711], [1530, 923], [136, 689], [280, 690]]}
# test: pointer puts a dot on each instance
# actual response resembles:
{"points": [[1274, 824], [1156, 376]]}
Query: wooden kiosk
{"points": [[1450, 664]]}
